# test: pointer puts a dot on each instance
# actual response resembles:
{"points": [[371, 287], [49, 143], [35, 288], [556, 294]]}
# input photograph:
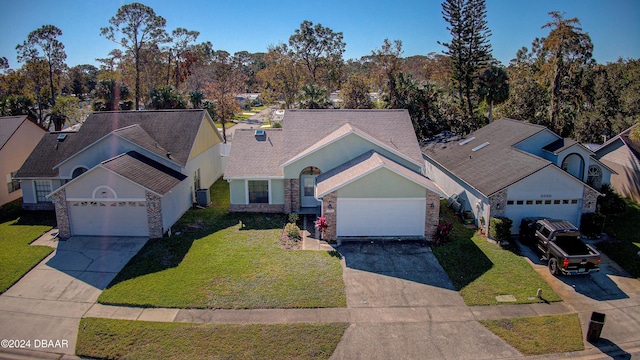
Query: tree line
{"points": [[555, 83]]}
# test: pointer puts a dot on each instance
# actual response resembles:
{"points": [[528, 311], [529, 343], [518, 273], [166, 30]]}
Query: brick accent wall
{"points": [[154, 215], [432, 215], [295, 195], [259, 208], [330, 214], [498, 203], [62, 214], [589, 199], [287, 197]]}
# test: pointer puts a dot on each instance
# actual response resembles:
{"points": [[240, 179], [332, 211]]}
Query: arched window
{"points": [[310, 170], [594, 177], [78, 171], [574, 165]]}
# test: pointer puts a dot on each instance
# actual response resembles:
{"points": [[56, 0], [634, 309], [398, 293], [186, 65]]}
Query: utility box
{"points": [[203, 198], [595, 327]]}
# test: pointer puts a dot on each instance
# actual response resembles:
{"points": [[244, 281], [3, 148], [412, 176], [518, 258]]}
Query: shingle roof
{"points": [[363, 165], [144, 171], [173, 130], [559, 145], [392, 128], [8, 126], [253, 156], [494, 166], [634, 145], [137, 135]]}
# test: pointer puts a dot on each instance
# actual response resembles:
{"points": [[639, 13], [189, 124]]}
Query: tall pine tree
{"points": [[469, 49]]}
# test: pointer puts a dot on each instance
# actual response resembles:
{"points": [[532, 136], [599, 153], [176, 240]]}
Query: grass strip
{"points": [[120, 339], [541, 334]]}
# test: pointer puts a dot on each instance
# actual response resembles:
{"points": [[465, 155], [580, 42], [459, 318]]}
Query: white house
{"points": [[130, 173], [515, 169]]}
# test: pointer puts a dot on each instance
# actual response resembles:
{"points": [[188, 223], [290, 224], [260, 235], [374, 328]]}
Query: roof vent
{"points": [[61, 137], [468, 140], [480, 146]]}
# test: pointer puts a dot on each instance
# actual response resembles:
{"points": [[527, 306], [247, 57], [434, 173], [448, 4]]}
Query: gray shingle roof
{"points": [[144, 171], [392, 128], [172, 130], [494, 166], [363, 165], [255, 157]]}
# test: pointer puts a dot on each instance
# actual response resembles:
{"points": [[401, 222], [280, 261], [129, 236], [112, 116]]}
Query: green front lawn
{"points": [[541, 334], [626, 228], [230, 261], [123, 339], [17, 256], [481, 270]]}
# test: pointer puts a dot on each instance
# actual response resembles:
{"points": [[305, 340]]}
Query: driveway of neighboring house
{"points": [[406, 307], [44, 308]]}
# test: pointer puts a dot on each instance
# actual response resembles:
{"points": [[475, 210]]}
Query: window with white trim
{"points": [[43, 188], [12, 185], [258, 191]]}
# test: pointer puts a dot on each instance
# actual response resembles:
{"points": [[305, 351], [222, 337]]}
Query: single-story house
{"points": [[622, 154], [19, 135], [514, 169], [360, 169], [131, 173]]}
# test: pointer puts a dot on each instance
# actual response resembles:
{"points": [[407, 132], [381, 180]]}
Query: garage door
{"points": [[381, 217], [108, 218], [566, 209]]}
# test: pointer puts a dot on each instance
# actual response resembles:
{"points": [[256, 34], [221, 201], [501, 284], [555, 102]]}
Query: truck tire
{"points": [[553, 266]]}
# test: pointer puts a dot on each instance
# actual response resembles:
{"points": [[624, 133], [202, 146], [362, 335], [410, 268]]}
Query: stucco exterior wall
{"points": [[535, 143], [378, 183], [237, 192], [174, 204], [337, 153], [210, 164], [13, 154]]}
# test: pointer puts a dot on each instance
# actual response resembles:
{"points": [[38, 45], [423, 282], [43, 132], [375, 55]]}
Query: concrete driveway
{"points": [[409, 306], [611, 291], [45, 306]]}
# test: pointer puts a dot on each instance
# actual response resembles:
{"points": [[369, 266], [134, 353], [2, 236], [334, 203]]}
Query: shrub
{"points": [[500, 228], [592, 224], [611, 202], [292, 230], [321, 224], [442, 233], [293, 218]]}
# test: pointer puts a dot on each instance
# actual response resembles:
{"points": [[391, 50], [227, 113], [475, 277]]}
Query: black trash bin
{"points": [[595, 327]]}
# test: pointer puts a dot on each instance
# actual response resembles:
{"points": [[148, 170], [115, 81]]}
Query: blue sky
{"points": [[614, 25]]}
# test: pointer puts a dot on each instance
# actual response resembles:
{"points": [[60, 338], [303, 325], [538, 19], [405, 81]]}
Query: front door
{"points": [[307, 190]]}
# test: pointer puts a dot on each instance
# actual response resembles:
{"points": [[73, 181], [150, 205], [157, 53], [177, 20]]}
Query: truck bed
{"points": [[572, 245]]}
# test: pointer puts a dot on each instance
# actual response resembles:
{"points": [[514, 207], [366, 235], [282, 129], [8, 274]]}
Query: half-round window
{"points": [[310, 170], [78, 171]]}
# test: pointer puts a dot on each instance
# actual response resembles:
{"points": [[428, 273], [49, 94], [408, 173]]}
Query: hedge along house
{"points": [[514, 169], [361, 169], [128, 173]]}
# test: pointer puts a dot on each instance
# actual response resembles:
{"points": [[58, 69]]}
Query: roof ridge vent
{"points": [[467, 140], [480, 146]]}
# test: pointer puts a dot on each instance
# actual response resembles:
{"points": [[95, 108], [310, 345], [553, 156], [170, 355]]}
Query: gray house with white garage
{"points": [[130, 173], [361, 169], [515, 169]]}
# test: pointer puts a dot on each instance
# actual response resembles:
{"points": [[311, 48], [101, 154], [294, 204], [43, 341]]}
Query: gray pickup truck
{"points": [[561, 245]]}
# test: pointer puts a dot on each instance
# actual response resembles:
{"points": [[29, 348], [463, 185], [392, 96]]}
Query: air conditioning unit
{"points": [[203, 198]]}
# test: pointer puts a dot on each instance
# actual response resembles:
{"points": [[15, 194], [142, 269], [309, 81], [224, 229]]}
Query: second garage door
{"points": [[381, 217]]}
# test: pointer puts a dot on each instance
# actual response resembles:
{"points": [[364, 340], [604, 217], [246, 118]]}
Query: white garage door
{"points": [[381, 217], [108, 218], [566, 209]]}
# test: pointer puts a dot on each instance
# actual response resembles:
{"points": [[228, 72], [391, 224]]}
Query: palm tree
{"points": [[313, 97], [494, 87]]}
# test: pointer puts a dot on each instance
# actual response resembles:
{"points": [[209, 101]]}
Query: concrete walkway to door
{"points": [[49, 301]]}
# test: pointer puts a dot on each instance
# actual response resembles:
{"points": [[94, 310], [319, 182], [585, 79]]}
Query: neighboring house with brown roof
{"points": [[515, 169], [622, 154], [361, 169], [19, 135], [131, 173]]}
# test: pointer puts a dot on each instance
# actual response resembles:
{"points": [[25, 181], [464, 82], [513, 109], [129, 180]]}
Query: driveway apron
{"points": [[44, 308], [405, 278]]}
